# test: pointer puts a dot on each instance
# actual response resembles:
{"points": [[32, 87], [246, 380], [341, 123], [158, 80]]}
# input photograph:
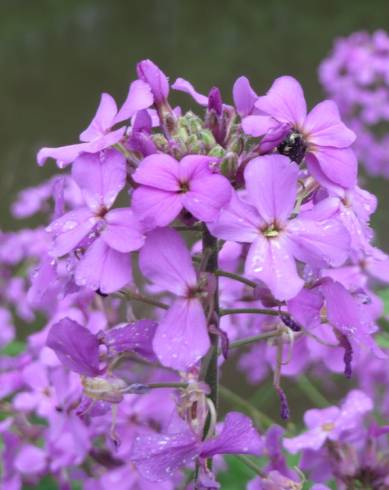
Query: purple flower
{"points": [[182, 337], [320, 137], [168, 186], [78, 349], [315, 236], [159, 456], [99, 134], [244, 97], [155, 79], [331, 423], [111, 234]]}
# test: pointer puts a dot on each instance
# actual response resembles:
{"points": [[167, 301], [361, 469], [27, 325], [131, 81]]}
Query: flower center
{"points": [[328, 427], [293, 146], [271, 231], [184, 187]]}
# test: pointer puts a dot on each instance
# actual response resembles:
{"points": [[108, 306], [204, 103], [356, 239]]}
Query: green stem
{"points": [[250, 464], [306, 385], [255, 338], [259, 418], [167, 385], [131, 295], [256, 311], [236, 277]]}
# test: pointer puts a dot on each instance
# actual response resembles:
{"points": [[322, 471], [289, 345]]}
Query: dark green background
{"points": [[57, 56]]}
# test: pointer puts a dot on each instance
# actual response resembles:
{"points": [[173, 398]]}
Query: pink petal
{"points": [[63, 154], [207, 196], [158, 456], [238, 222], [184, 86], [103, 268], [30, 460], [324, 127], [182, 337], [244, 96], [100, 177], [103, 119], [194, 167], [154, 207], [339, 166], [123, 232], [165, 260], [312, 439], [271, 183], [139, 97], [284, 101], [105, 141], [70, 229], [238, 436], [257, 125], [319, 243], [158, 171], [271, 261], [155, 78]]}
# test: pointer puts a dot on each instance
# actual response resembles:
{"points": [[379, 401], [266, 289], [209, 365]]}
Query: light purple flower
{"points": [[149, 73], [314, 237], [320, 137], [244, 97], [99, 134], [159, 456], [168, 186], [111, 234], [182, 337], [331, 423]]}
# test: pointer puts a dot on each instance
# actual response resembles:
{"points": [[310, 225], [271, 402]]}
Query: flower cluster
{"points": [[174, 240], [356, 76]]}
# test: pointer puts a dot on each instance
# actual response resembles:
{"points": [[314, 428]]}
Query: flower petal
{"points": [[238, 436], [101, 177], [63, 154], [244, 96], [75, 346], [339, 165], [284, 101], [122, 231], [165, 260], [271, 261], [158, 171], [139, 97], [103, 119], [271, 183], [154, 207], [325, 128], [182, 337], [184, 86], [103, 268]]}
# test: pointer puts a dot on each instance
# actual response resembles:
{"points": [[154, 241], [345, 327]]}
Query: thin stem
{"points": [[167, 385], [187, 228], [250, 464], [306, 385], [143, 299], [236, 277], [260, 419], [255, 338], [255, 311]]}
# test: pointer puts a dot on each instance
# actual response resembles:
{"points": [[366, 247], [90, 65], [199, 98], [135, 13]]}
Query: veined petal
{"points": [[194, 167], [284, 101], [158, 171], [238, 221], [139, 97], [271, 261], [182, 336], [75, 346], [100, 177], [63, 154], [244, 96], [158, 456], [155, 207], [70, 229], [271, 183], [325, 128], [207, 196], [103, 268], [238, 436], [319, 243], [165, 260], [184, 86], [256, 126], [339, 165], [122, 231], [102, 120]]}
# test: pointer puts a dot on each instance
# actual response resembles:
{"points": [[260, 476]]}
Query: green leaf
{"points": [[236, 476], [384, 295]]}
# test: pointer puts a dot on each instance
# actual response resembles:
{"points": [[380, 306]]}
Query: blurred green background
{"points": [[57, 56]]}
